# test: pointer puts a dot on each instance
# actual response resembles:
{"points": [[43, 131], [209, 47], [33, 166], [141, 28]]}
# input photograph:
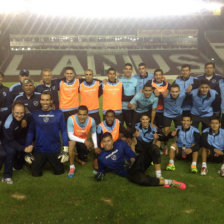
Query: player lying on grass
{"points": [[213, 146], [113, 126], [79, 127], [187, 144], [43, 138], [120, 159]]}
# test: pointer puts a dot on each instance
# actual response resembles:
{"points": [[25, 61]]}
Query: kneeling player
{"points": [[187, 144], [119, 158], [213, 145], [44, 131], [79, 126]]}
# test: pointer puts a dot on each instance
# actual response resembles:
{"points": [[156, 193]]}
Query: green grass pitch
{"points": [[54, 199]]}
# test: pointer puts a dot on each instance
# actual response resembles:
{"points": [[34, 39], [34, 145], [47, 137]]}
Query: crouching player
{"points": [[119, 158], [44, 140], [187, 144], [14, 139], [79, 127], [148, 139], [213, 146]]}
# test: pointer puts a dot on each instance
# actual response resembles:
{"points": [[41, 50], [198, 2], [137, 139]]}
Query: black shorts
{"points": [[153, 151], [179, 155], [137, 116], [212, 158], [159, 120], [67, 114], [40, 160], [128, 117], [204, 120], [167, 121], [82, 151], [222, 121], [96, 117]]}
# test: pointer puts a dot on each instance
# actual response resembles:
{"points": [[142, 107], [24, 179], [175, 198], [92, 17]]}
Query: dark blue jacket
{"points": [[4, 96], [14, 91], [33, 104], [13, 132], [45, 129], [115, 158], [214, 81]]}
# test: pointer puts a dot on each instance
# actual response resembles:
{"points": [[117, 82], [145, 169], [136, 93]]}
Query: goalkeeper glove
{"points": [[63, 156], [99, 176], [29, 158]]}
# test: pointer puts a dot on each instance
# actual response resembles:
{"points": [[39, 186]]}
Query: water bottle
{"points": [[184, 156]]}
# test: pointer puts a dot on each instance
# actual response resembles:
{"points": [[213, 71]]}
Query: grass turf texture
{"points": [[58, 199]]}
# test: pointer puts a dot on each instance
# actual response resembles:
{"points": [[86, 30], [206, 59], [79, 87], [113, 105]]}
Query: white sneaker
{"points": [[204, 171], [7, 180], [221, 172]]}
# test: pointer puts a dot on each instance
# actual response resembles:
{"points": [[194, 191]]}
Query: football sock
{"points": [[168, 182], [204, 164], [171, 161], [158, 173], [72, 166], [194, 163]]}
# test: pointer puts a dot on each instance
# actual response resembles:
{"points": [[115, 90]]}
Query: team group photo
{"points": [[114, 120]]}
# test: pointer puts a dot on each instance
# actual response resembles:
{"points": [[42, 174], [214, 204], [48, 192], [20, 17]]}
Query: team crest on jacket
{"points": [[46, 119], [35, 103], [53, 88], [113, 157]]}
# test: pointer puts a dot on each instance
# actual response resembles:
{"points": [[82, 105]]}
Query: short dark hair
{"points": [[128, 64], [2, 74], [83, 107], [46, 92], [69, 68], [186, 114], [111, 69], [158, 70], [204, 82], [18, 103], [210, 63], [110, 111], [142, 64], [148, 84], [107, 134], [175, 85], [214, 118], [186, 66], [145, 115]]}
